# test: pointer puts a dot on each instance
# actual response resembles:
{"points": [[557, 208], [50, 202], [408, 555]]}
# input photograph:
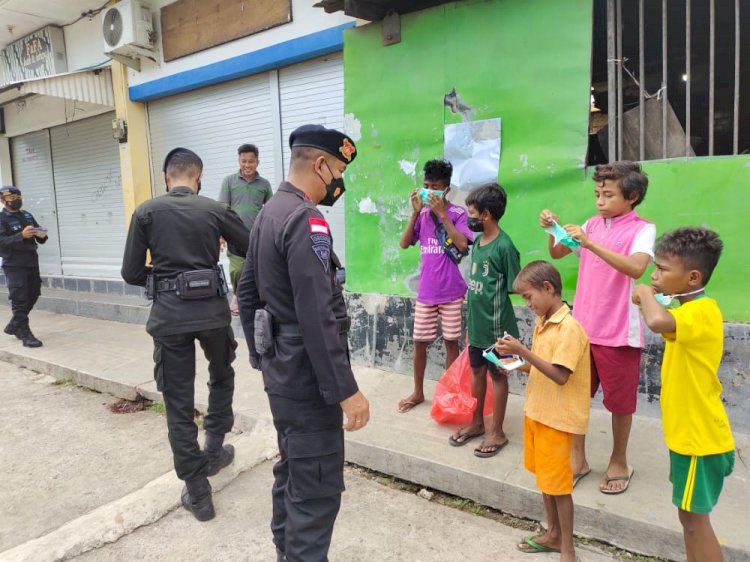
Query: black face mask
{"points": [[475, 224], [15, 205], [334, 189]]}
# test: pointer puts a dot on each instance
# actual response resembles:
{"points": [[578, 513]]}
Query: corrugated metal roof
{"points": [[92, 86]]}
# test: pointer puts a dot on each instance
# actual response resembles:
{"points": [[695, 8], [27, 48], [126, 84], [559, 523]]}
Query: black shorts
{"points": [[476, 360]]}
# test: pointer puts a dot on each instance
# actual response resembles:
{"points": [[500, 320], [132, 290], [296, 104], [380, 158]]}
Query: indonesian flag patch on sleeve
{"points": [[320, 237], [318, 226]]}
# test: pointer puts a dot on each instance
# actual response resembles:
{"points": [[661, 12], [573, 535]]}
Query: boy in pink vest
{"points": [[616, 246]]}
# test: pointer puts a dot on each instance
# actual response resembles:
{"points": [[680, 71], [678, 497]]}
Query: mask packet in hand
{"points": [[560, 235]]}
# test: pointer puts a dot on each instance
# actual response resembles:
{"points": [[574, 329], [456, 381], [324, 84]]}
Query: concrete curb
{"points": [[110, 522]]}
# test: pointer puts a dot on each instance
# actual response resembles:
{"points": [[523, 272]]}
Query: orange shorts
{"points": [[546, 453]]}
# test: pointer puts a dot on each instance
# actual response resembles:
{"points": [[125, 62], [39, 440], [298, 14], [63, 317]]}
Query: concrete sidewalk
{"points": [[116, 358]]}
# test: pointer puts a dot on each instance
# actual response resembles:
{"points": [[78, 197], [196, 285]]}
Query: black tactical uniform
{"points": [[21, 268], [291, 272], [181, 230]]}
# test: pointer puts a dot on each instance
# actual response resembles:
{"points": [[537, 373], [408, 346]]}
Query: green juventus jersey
{"points": [[494, 267]]}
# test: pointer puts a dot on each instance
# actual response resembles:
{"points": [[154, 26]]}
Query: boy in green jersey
{"points": [[495, 262]]}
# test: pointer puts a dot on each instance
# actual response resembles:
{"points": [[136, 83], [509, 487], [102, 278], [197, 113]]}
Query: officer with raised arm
{"points": [[181, 230], [296, 325]]}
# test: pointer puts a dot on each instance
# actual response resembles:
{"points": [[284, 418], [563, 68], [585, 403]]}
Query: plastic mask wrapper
{"points": [[558, 232]]}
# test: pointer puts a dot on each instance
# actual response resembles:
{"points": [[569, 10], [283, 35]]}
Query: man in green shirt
{"points": [[245, 192]]}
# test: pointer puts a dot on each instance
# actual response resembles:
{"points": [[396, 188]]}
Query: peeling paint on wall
{"points": [[409, 168], [367, 205], [457, 106], [352, 127]]}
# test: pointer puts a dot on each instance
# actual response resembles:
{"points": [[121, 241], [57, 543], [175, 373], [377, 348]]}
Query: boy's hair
{"points": [[629, 178], [535, 273], [244, 148], [489, 197], [438, 170], [696, 247]]}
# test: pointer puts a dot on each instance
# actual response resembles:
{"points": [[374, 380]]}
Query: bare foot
{"points": [[408, 403]]}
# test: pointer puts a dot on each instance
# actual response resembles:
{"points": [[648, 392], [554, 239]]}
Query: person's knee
{"points": [[692, 523]]}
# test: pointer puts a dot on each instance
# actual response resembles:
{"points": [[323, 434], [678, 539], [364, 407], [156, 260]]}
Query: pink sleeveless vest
{"points": [[602, 302]]}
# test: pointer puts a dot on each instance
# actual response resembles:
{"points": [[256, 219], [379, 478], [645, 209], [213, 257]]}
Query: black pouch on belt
{"points": [[263, 332], [198, 284]]}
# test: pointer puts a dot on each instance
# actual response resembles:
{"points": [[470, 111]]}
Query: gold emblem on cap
{"points": [[337, 192], [347, 150]]}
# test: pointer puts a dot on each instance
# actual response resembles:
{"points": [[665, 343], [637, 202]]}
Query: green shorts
{"points": [[236, 264], [697, 481]]}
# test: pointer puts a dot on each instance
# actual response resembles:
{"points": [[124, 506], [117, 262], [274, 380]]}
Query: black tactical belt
{"points": [[343, 325]]}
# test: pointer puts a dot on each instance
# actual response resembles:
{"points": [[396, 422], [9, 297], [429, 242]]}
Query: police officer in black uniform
{"points": [[181, 230], [19, 236], [295, 322]]}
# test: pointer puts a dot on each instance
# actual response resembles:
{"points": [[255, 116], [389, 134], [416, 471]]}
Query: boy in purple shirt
{"points": [[441, 288]]}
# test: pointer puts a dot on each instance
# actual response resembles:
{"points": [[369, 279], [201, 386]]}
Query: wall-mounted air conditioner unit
{"points": [[128, 32]]}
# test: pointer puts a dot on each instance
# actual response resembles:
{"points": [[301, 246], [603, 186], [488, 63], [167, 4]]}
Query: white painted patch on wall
{"points": [[409, 168], [352, 127], [368, 206]]}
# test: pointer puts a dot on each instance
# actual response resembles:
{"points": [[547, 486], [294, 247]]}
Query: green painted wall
{"points": [[529, 64]]}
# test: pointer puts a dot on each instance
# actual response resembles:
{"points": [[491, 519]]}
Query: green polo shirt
{"points": [[246, 198]]}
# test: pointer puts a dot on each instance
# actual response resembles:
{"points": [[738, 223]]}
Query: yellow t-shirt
{"points": [[562, 341], [694, 419]]}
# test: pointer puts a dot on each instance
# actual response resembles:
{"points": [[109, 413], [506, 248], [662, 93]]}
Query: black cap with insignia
{"points": [[329, 140]]}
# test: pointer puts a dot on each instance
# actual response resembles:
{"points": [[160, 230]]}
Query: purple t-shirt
{"points": [[440, 281]]}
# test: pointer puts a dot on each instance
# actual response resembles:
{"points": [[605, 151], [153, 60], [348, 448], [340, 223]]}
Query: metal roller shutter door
{"points": [[213, 122], [32, 174], [313, 92], [90, 210]]}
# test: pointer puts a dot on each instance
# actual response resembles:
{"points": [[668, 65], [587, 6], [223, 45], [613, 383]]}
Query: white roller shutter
{"points": [[86, 167], [32, 174], [213, 122], [313, 92]]}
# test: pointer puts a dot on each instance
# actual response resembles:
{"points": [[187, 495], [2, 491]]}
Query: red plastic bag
{"points": [[453, 402]]}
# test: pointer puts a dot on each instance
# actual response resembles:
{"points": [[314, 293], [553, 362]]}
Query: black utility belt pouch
{"points": [[450, 249], [263, 332], [198, 284]]}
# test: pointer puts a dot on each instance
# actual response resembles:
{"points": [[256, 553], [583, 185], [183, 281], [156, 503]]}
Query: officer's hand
{"points": [[222, 244], [357, 411], [29, 232]]}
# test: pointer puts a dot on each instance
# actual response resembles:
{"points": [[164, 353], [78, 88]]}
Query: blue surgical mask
{"points": [[666, 300], [425, 193], [561, 235]]}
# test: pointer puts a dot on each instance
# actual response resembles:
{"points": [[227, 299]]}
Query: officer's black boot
{"points": [[218, 456], [11, 329], [196, 498], [28, 339]]}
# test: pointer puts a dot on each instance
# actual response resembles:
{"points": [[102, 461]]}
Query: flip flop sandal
{"points": [[530, 546], [493, 450], [407, 405], [626, 479], [464, 438], [578, 477]]}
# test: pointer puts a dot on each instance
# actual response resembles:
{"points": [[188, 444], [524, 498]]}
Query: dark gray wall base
{"points": [[381, 337]]}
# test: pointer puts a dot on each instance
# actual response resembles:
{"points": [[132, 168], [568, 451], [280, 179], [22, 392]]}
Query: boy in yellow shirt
{"points": [[557, 401], [696, 427]]}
